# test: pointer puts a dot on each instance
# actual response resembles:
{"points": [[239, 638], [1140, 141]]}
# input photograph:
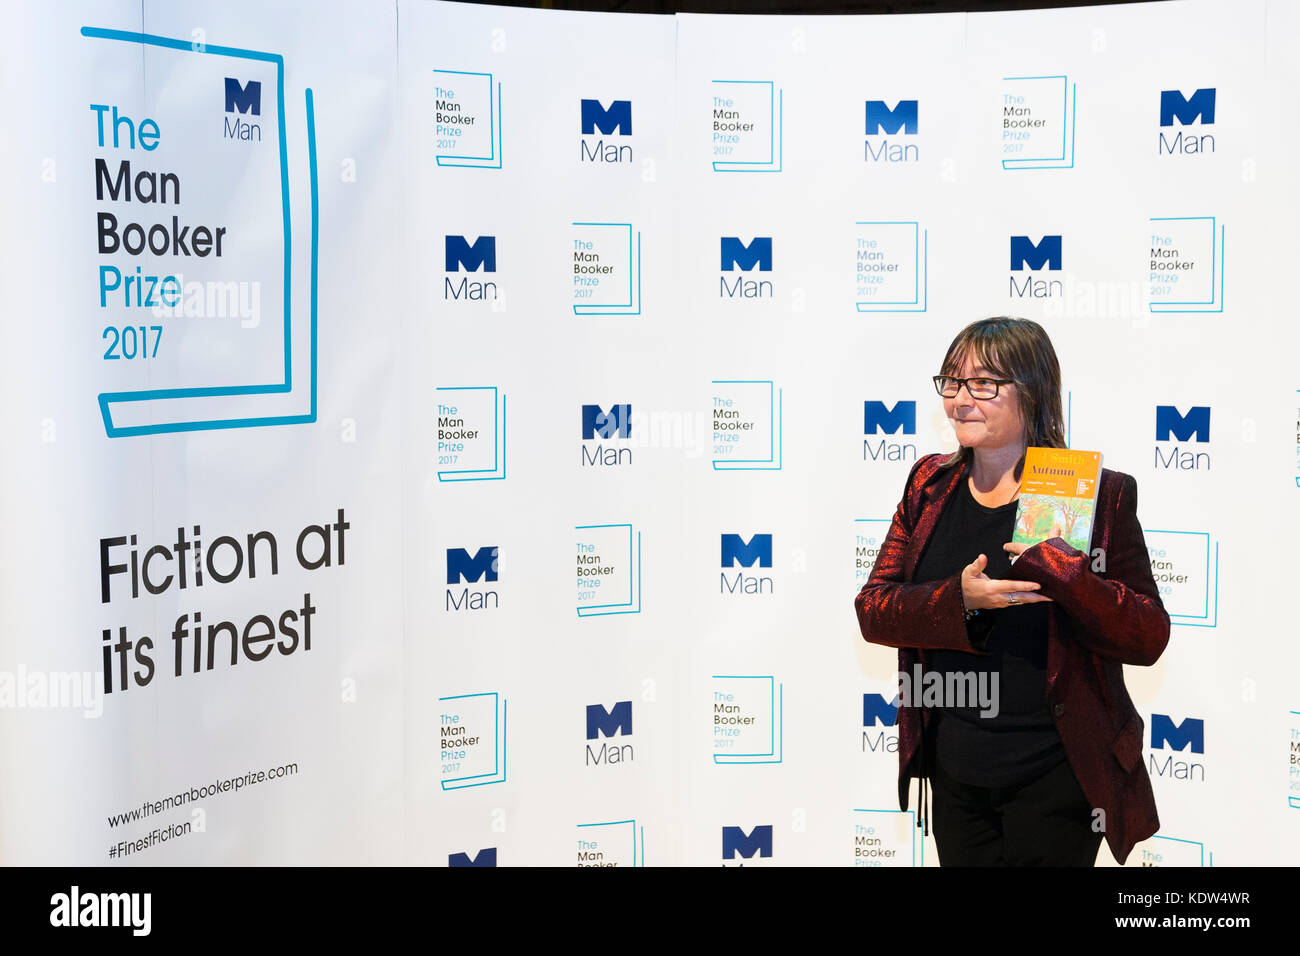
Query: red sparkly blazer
{"points": [[1100, 620]]}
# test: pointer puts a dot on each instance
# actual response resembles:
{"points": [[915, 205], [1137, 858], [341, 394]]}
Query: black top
{"points": [[1019, 743]]}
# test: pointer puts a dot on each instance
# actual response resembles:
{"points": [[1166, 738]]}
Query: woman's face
{"points": [[985, 423]]}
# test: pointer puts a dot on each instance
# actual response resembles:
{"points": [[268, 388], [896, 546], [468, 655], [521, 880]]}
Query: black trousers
{"points": [[1046, 822]]}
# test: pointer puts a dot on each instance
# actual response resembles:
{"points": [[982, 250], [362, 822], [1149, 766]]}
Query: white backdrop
{"points": [[394, 356]]}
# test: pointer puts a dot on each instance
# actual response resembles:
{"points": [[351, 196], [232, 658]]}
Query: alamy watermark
{"points": [[53, 690], [210, 300], [949, 689]]}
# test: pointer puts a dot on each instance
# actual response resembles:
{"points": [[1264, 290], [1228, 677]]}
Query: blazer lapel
{"points": [[931, 499]]}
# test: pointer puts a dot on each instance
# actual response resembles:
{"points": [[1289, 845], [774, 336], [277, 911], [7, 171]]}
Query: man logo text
{"points": [[246, 99], [461, 567], [616, 119], [1187, 737], [1026, 254], [471, 257], [600, 424], [738, 256], [607, 723], [1173, 425], [736, 552], [1197, 108], [880, 419], [881, 119], [736, 842]]}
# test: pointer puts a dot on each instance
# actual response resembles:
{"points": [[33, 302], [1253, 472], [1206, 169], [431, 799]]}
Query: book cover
{"points": [[1058, 495]]}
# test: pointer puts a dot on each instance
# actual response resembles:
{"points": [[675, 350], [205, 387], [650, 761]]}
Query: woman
{"points": [[1057, 763]]}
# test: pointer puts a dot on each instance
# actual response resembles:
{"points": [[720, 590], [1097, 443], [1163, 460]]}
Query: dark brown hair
{"points": [[1020, 350]]}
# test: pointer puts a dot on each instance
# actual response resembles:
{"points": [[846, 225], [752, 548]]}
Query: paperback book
{"points": [[1058, 495]]}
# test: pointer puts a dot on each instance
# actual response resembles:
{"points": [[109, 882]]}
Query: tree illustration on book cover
{"points": [[1049, 516]]}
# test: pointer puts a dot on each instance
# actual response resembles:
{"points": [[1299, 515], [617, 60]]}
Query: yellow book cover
{"points": [[1058, 493]]}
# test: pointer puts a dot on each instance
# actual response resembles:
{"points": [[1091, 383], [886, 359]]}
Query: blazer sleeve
{"points": [[1119, 616], [896, 613]]}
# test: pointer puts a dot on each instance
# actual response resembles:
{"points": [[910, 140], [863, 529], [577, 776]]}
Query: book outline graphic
{"points": [[776, 135], [775, 412], [633, 603], [1218, 238], [498, 470], [860, 575], [498, 773], [1069, 100], [496, 153], [912, 828], [1209, 616], [1200, 851], [638, 837], [776, 725], [633, 305], [159, 398], [1294, 802], [920, 272]]}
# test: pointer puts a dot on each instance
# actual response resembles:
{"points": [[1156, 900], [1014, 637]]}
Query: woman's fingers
{"points": [[1014, 586], [1026, 598]]}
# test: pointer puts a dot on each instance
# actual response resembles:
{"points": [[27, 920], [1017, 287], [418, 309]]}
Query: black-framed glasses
{"points": [[981, 388]]}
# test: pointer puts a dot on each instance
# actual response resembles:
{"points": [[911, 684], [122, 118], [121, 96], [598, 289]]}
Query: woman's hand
{"points": [[1016, 549], [980, 592]]}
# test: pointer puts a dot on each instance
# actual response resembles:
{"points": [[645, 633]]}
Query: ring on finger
{"points": [[1012, 599]]}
